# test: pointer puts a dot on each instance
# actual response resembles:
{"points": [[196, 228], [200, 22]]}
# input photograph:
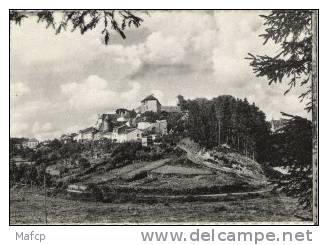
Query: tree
{"points": [[295, 33], [291, 30], [82, 20], [225, 119], [295, 151]]}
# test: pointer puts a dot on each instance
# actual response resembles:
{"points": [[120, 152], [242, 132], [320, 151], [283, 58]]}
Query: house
{"points": [[66, 138], [124, 133], [150, 103], [159, 127], [87, 134], [276, 125], [132, 134], [77, 188], [107, 135], [31, 143], [122, 112], [144, 125], [45, 142], [76, 137], [73, 136], [97, 136], [147, 141], [117, 131]]}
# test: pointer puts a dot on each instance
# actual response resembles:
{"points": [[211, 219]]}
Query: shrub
{"points": [[84, 163]]}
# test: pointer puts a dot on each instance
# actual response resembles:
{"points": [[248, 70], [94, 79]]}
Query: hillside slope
{"points": [[188, 171]]}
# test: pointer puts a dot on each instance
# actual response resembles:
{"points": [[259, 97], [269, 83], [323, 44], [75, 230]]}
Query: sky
{"points": [[59, 83]]}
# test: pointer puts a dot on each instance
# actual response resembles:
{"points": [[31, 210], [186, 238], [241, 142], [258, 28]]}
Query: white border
{"points": [[130, 235]]}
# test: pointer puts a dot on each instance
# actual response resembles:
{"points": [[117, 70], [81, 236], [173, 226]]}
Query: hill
{"points": [[188, 170]]}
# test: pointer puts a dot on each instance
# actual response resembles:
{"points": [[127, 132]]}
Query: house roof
{"points": [[150, 97], [33, 140], [87, 130], [116, 128], [129, 130]]}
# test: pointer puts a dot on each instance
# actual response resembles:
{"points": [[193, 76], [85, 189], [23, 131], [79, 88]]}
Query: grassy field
{"points": [[26, 207]]}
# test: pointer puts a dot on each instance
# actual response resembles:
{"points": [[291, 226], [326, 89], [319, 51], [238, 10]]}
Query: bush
{"points": [[84, 163], [95, 191]]}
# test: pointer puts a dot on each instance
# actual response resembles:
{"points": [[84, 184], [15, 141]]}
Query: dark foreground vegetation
{"points": [[26, 207]]}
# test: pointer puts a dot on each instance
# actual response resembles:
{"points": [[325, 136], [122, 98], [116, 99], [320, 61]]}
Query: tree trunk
{"points": [[315, 113], [45, 196]]}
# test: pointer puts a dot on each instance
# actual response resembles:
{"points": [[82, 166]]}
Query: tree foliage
{"points": [[82, 20], [227, 120], [291, 31], [295, 151]]}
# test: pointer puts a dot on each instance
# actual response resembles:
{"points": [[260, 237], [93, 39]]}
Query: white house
{"points": [[125, 134], [158, 127], [150, 103], [144, 125], [31, 143]]}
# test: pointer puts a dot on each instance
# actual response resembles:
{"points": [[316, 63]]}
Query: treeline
{"points": [[227, 120]]}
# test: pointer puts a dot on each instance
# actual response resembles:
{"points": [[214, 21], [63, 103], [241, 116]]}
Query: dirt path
{"points": [[219, 195]]}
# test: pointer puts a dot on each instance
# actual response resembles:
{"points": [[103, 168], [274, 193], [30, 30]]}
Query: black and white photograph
{"points": [[163, 117]]}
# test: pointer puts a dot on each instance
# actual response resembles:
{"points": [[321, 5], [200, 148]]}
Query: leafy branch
{"points": [[82, 20]]}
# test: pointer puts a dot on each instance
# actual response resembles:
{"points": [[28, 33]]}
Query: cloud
{"points": [[18, 89], [164, 49], [158, 94], [193, 53], [132, 94], [94, 93], [18, 128]]}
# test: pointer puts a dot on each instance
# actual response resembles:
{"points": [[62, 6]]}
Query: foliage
{"points": [[225, 119], [28, 174], [82, 20], [95, 191], [176, 123], [84, 163], [291, 30], [125, 153], [294, 150]]}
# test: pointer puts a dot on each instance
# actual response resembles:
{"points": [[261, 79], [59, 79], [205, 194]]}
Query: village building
{"points": [[124, 133], [87, 134], [158, 127], [122, 112], [150, 103], [77, 188], [107, 135], [31, 143], [67, 138], [144, 125], [147, 140]]}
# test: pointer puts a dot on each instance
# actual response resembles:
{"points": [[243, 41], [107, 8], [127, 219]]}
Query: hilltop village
{"points": [[136, 125], [127, 125]]}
